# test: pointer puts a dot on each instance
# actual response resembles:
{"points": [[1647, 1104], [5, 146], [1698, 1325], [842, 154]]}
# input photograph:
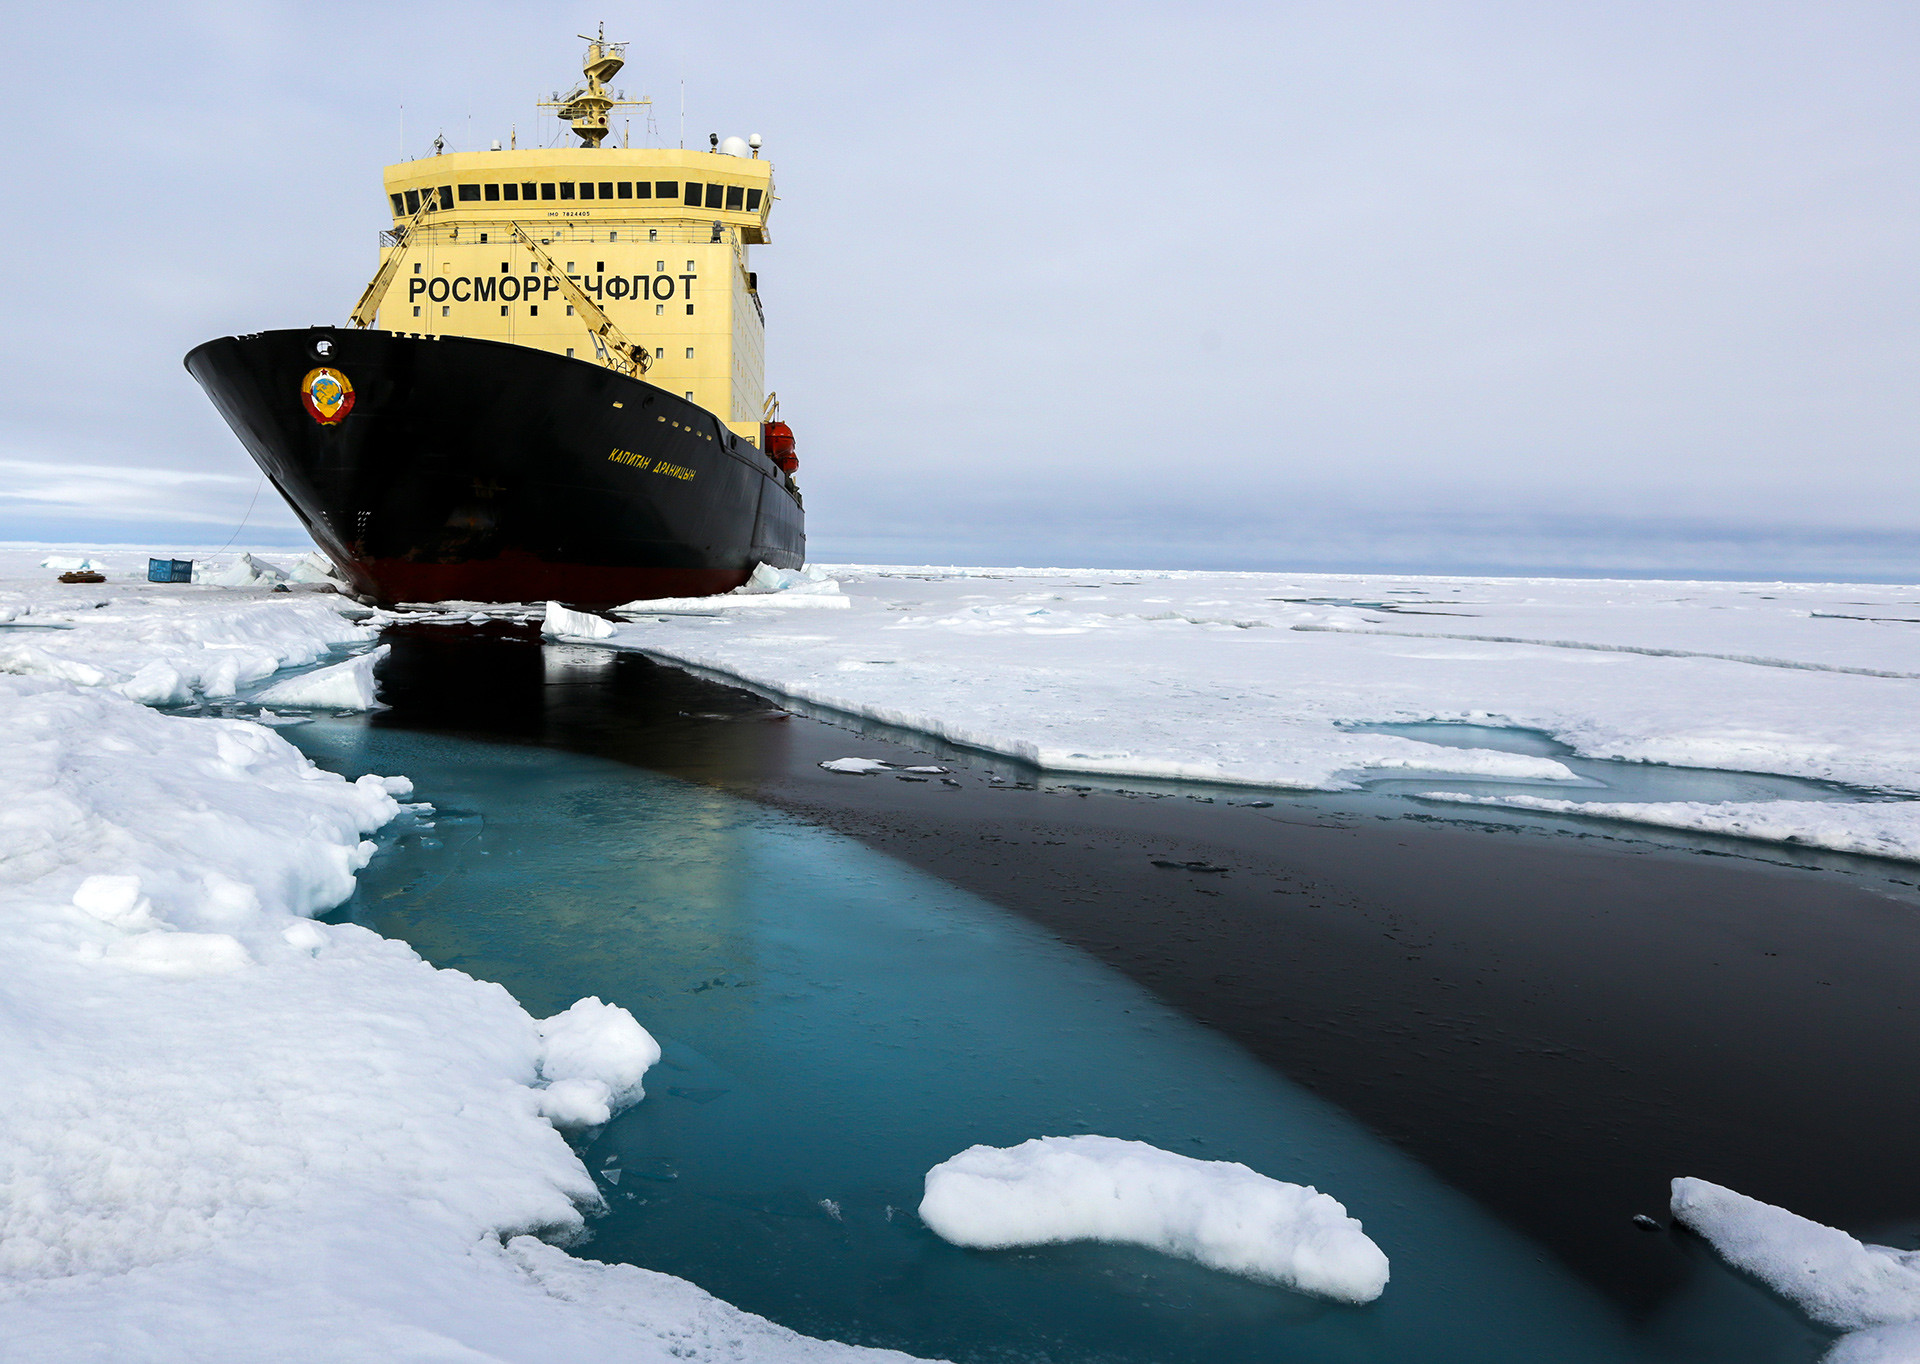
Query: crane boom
{"points": [[612, 344], [369, 305]]}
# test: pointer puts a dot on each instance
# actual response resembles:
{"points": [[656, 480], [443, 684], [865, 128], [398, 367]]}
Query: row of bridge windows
{"points": [[732, 198]]}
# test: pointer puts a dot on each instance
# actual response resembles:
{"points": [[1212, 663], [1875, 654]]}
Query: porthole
{"points": [[323, 347]]}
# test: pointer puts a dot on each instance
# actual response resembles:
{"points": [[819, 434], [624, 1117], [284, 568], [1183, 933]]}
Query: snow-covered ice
{"points": [[244, 571], [1871, 1292], [564, 623], [858, 767], [593, 1057], [1267, 679], [232, 1132], [340, 686], [1218, 1213]]}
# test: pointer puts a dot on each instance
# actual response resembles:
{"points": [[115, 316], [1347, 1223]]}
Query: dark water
{"points": [[840, 1012]]}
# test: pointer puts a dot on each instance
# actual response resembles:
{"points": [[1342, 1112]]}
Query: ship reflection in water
{"points": [[835, 1023]]}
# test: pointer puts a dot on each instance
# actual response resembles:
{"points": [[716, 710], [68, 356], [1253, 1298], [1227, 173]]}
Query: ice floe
{"points": [[860, 767], [1875, 828], [564, 623], [1272, 679], [340, 686], [231, 1131], [1220, 1214], [1871, 1292]]}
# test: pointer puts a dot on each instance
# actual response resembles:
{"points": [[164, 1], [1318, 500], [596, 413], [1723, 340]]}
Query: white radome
{"points": [[733, 146]]}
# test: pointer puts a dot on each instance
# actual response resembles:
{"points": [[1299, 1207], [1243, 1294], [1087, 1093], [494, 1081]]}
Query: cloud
{"points": [[120, 493]]}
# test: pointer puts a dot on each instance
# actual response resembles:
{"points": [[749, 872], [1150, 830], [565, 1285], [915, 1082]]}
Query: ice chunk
{"points": [[562, 623], [156, 684], [858, 767], [594, 1055], [305, 936], [246, 571], [180, 954], [67, 563], [1221, 1214], [314, 568], [576, 1103], [115, 900], [1834, 1279], [807, 583], [343, 686]]}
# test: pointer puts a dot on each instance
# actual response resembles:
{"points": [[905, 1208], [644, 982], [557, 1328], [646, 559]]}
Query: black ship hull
{"points": [[471, 470]]}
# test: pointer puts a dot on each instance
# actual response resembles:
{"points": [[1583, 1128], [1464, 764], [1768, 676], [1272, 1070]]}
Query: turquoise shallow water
{"points": [[834, 1023]]}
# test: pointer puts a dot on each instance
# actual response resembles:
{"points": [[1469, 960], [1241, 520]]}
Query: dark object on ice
{"points": [[169, 570], [901, 776], [1645, 1223], [948, 781], [84, 575]]}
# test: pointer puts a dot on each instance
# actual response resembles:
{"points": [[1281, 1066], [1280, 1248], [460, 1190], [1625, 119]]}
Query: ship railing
{"points": [[547, 233]]}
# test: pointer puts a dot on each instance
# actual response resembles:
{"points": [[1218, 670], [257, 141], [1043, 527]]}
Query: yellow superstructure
{"points": [[656, 238]]}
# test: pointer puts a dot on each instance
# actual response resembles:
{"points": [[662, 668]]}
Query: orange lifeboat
{"points": [[776, 438]]}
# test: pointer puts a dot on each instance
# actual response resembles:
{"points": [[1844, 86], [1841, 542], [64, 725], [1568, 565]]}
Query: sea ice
{"points": [[1276, 680], [342, 686], [232, 1132], [1872, 1292], [593, 1056], [314, 569], [858, 767], [1218, 1213], [1876, 828], [245, 571], [797, 582], [562, 623]]}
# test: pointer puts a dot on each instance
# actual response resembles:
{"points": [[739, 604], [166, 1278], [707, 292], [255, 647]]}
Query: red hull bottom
{"points": [[520, 577]]}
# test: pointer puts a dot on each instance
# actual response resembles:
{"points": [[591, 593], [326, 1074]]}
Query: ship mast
{"points": [[588, 104]]}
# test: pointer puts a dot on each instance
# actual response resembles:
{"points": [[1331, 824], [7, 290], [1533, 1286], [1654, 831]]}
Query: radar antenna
{"points": [[586, 105]]}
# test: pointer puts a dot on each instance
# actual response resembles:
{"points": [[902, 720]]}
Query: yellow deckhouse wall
{"points": [[632, 227]]}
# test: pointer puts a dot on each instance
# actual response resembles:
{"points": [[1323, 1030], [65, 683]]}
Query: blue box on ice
{"points": [[169, 570]]}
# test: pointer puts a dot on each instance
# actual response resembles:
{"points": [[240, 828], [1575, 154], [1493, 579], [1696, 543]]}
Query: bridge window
{"points": [[643, 189], [666, 189], [446, 196], [546, 190], [413, 201], [734, 194], [753, 201], [399, 205], [493, 194], [469, 194], [713, 196], [509, 191], [586, 189], [606, 189], [566, 189], [626, 189]]}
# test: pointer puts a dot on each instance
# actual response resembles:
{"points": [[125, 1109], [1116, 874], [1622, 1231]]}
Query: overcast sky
{"points": [[1429, 286]]}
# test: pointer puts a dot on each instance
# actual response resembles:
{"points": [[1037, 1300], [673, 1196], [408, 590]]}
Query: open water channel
{"points": [[837, 1019]]}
